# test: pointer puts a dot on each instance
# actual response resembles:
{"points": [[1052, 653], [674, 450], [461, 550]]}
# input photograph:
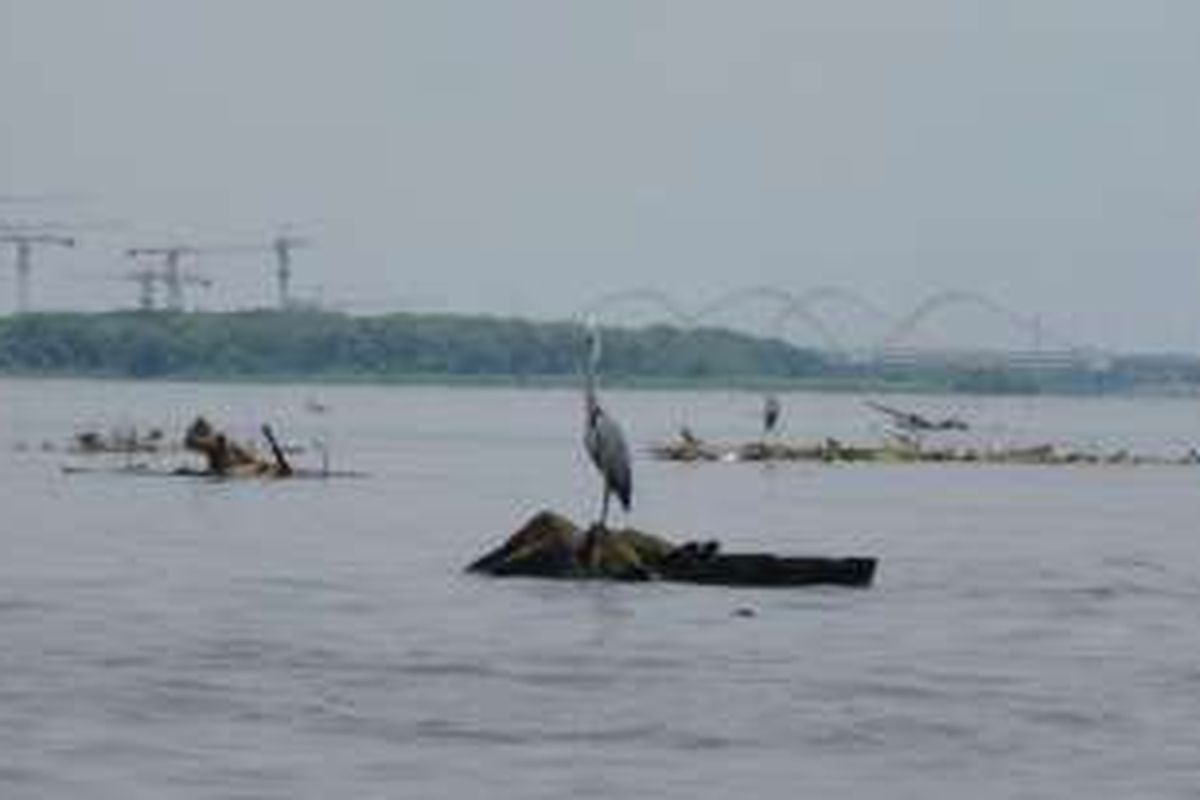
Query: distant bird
{"points": [[771, 410], [687, 437], [602, 436], [315, 406]]}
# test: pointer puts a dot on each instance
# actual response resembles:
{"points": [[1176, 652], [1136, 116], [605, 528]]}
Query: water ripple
{"points": [[22, 605]]}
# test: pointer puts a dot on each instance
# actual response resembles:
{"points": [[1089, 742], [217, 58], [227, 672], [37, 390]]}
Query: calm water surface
{"points": [[1033, 631]]}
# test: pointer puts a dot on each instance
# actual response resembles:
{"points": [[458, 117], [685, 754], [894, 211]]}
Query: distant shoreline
{"points": [[564, 382], [536, 382], [309, 347]]}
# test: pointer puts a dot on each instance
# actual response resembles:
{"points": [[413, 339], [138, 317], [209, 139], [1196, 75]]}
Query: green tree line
{"points": [[272, 344]]}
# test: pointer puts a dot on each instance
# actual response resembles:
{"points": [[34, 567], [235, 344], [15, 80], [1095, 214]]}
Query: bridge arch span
{"points": [[936, 303], [789, 306], [658, 300]]}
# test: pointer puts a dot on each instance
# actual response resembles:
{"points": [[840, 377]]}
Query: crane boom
{"points": [[24, 243], [281, 246], [171, 275]]}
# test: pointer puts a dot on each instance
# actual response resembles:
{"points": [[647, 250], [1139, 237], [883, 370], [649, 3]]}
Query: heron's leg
{"points": [[604, 509]]}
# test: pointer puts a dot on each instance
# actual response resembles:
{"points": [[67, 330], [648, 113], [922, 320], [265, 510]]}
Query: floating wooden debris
{"points": [[226, 457], [223, 457], [835, 451], [912, 422], [92, 442], [152, 471], [551, 546]]}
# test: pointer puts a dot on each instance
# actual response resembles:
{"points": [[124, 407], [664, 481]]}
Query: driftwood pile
{"points": [[226, 457]]}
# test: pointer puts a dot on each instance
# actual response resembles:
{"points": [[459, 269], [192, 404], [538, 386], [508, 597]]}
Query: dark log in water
{"points": [[551, 546]]}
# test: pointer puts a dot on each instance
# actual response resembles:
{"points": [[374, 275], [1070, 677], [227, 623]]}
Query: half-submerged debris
{"points": [[551, 546], [124, 441], [912, 422], [834, 451], [225, 457]]}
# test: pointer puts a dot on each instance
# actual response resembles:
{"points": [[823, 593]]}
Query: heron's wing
{"points": [[771, 411], [610, 453]]}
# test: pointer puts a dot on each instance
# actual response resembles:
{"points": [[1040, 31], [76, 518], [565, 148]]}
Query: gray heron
{"points": [[602, 436], [771, 411]]}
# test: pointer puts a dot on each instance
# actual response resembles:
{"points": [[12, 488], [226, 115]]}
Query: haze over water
{"points": [[1031, 632], [526, 158]]}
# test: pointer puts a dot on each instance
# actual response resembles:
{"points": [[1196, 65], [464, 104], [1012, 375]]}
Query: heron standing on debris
{"points": [[602, 435], [771, 410]]}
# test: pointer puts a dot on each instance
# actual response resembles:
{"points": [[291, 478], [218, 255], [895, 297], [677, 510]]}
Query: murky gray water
{"points": [[1033, 631]]}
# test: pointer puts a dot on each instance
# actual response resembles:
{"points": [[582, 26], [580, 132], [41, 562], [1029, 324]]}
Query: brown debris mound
{"points": [[226, 457], [551, 546]]}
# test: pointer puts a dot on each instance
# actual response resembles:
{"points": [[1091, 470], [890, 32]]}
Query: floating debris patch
{"points": [[834, 451]]}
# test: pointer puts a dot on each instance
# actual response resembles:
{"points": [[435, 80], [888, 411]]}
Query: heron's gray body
{"points": [[605, 443]]}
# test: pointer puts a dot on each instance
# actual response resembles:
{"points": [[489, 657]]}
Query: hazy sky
{"points": [[525, 157]]}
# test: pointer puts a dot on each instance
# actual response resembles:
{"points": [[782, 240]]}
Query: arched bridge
{"points": [[896, 335]]}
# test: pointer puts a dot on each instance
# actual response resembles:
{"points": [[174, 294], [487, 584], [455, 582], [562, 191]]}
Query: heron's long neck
{"points": [[590, 403]]}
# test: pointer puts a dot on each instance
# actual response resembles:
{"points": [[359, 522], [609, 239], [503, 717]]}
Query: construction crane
{"points": [[283, 246], [171, 274], [24, 242], [146, 279]]}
